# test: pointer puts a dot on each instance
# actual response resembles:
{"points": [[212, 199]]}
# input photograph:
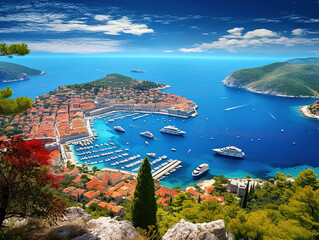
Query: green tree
{"points": [[144, 205], [245, 197], [308, 178], [14, 49], [94, 169], [13, 105], [219, 184]]}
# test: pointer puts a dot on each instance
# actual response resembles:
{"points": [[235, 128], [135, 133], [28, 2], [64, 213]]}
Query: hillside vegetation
{"points": [[119, 81], [12, 71], [279, 78]]}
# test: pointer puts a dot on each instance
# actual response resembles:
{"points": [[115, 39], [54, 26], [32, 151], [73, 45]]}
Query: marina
{"points": [[211, 122], [164, 170]]}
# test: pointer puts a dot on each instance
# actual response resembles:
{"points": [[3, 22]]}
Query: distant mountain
{"points": [[14, 72], [296, 78], [309, 60]]}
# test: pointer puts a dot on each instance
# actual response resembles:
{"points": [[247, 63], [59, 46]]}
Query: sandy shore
{"points": [[306, 112]]}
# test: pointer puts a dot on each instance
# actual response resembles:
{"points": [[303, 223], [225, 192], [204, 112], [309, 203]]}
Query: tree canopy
{"points": [[14, 49], [13, 105], [24, 175], [144, 205]]}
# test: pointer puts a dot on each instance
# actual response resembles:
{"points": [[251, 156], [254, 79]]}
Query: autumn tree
{"points": [[24, 174], [144, 205]]}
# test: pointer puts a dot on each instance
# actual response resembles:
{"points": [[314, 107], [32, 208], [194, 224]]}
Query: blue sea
{"points": [[198, 79]]}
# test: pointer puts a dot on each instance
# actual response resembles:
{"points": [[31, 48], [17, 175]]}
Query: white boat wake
{"points": [[236, 107], [272, 116]]}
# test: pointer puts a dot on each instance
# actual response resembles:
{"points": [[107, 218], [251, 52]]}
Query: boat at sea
{"points": [[230, 151], [147, 134], [201, 170], [151, 155], [173, 149], [172, 130], [137, 71], [119, 129]]}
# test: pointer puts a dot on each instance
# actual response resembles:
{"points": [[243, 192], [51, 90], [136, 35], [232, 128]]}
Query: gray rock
{"points": [[106, 228], [201, 231], [75, 214]]}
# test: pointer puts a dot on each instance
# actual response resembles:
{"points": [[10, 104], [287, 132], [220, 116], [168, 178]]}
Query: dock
{"points": [[140, 116], [161, 172]]}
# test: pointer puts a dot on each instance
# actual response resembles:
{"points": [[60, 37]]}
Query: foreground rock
{"points": [[75, 214], [106, 228], [200, 231]]}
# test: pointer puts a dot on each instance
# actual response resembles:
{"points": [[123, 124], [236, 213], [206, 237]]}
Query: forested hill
{"points": [[296, 77], [15, 72], [118, 81]]}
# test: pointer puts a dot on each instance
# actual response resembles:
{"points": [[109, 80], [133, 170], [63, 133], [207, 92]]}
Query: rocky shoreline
{"points": [[306, 112], [229, 81]]}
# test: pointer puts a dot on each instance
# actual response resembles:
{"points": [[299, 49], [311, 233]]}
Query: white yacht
{"points": [[230, 151], [200, 170], [151, 155], [147, 134], [172, 130], [119, 129]]}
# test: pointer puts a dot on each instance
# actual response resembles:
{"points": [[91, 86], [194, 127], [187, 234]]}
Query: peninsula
{"points": [[293, 78], [63, 114], [310, 111], [10, 72]]}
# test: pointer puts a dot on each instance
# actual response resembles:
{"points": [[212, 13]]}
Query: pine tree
{"points": [[144, 205], [199, 199], [245, 197]]}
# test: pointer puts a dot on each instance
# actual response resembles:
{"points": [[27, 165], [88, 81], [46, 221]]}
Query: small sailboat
{"points": [[189, 150], [146, 142], [282, 130]]}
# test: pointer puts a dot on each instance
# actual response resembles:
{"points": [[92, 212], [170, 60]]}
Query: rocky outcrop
{"points": [[75, 214], [229, 81], [200, 231], [106, 228]]}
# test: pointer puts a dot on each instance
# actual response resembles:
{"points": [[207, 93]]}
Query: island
{"points": [[65, 113], [10, 72], [293, 78]]}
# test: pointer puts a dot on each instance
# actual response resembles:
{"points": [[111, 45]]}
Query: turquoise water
{"points": [[197, 79]]}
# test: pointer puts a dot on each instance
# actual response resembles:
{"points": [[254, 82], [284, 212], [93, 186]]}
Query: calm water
{"points": [[200, 81]]}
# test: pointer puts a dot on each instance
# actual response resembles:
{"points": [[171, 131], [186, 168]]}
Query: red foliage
{"points": [[24, 171]]}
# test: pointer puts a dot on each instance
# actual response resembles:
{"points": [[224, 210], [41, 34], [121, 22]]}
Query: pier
{"points": [[140, 116], [161, 172]]}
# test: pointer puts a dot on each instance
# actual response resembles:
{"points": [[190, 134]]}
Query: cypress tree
{"points": [[144, 205], [245, 197]]}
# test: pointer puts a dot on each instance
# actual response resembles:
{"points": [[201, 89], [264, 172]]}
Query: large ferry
{"points": [[172, 130], [201, 170], [147, 134], [119, 129], [230, 151]]}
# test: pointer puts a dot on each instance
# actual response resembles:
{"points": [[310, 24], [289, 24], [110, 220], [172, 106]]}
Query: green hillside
{"points": [[309, 60], [279, 78], [12, 71], [119, 81]]}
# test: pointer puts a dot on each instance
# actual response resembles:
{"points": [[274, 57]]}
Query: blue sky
{"points": [[167, 27]]}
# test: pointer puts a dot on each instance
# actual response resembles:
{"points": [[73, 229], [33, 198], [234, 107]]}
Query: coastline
{"points": [[306, 113], [229, 81]]}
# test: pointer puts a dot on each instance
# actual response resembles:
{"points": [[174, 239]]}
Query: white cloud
{"points": [[56, 23], [168, 51], [255, 38], [297, 32], [260, 33], [236, 31], [102, 17], [75, 45]]}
